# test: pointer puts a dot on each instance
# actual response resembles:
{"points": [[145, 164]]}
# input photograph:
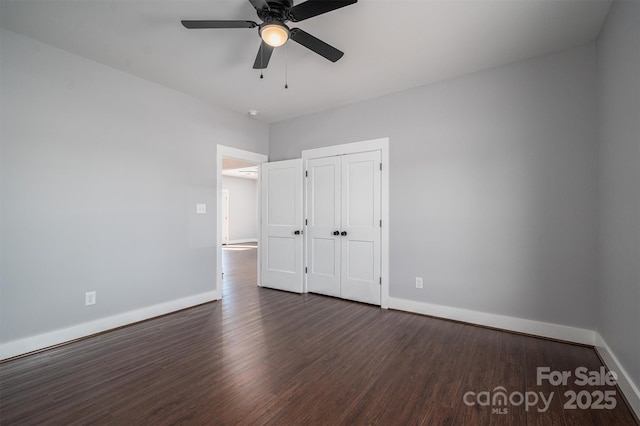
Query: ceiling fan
{"points": [[273, 30]]}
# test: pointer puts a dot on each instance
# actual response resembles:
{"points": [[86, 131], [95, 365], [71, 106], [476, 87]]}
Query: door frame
{"points": [[223, 151], [225, 214], [381, 145]]}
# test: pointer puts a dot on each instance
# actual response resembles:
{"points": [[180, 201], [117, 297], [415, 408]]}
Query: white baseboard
{"points": [[628, 388], [520, 325], [245, 241], [41, 341]]}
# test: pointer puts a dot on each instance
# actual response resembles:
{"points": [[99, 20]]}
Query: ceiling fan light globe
{"points": [[274, 35]]}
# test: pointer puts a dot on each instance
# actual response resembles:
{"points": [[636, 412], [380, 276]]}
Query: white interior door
{"points": [[361, 227], [281, 239], [344, 229], [323, 228], [225, 216]]}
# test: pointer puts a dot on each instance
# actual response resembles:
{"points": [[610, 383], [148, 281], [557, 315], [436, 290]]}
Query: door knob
{"points": [[336, 232], [298, 232], [343, 233]]}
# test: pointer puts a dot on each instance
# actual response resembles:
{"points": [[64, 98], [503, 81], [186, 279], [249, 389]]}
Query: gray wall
{"points": [[100, 175], [243, 208], [492, 185], [618, 52]]}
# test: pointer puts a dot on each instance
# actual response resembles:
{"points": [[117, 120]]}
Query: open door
{"points": [[282, 225]]}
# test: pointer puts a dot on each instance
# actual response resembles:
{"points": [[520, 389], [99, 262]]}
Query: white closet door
{"points": [[360, 216], [281, 242], [323, 227]]}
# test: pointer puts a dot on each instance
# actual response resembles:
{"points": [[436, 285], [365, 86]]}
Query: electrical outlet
{"points": [[90, 298], [418, 282], [201, 208]]}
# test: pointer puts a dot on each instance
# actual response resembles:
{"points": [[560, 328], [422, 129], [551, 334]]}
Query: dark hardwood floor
{"points": [[262, 356]]}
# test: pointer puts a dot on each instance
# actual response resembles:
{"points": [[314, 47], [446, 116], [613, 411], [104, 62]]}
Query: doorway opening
{"points": [[239, 202], [238, 220]]}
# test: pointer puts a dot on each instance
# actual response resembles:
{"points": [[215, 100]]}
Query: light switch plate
{"points": [[201, 208], [90, 298]]}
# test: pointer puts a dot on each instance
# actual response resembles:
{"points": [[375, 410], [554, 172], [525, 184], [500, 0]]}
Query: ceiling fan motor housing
{"points": [[277, 12]]}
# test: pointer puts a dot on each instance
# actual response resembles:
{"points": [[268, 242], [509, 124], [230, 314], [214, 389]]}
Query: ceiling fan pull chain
{"points": [[261, 61], [286, 66]]}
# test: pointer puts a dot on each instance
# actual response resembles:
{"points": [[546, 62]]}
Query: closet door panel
{"points": [[323, 210], [360, 215]]}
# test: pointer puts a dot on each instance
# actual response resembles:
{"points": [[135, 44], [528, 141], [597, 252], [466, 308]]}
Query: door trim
{"points": [[381, 145], [238, 154], [225, 214]]}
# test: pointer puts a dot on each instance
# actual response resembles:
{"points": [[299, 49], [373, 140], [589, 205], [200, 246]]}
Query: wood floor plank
{"points": [[265, 357]]}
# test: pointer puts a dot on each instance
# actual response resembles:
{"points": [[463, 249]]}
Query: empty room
{"points": [[320, 212]]}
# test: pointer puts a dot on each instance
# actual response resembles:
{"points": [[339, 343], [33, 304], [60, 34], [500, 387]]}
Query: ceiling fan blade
{"points": [[260, 4], [194, 25], [311, 8], [263, 56], [315, 44]]}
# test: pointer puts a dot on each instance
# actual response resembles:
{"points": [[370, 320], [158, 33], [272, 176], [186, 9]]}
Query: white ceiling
{"points": [[232, 163], [244, 173], [389, 45], [239, 168]]}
